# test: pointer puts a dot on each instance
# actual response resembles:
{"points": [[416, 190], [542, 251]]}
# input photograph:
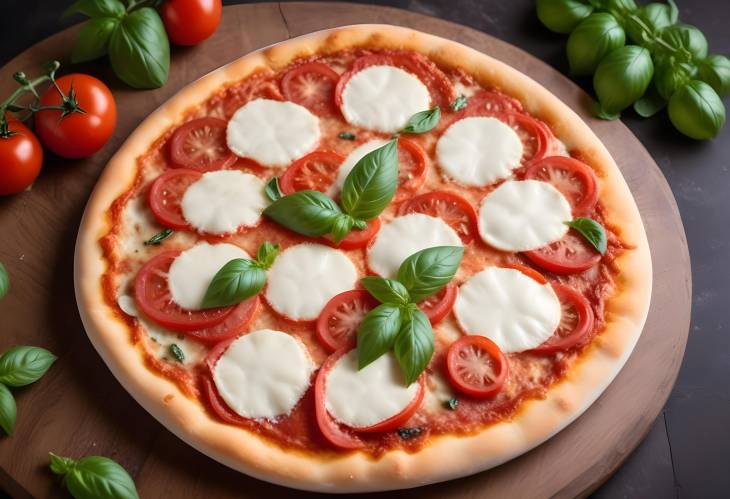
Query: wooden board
{"points": [[80, 409]]}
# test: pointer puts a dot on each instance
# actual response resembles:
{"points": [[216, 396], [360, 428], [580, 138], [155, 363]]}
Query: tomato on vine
{"points": [[21, 157], [189, 22]]}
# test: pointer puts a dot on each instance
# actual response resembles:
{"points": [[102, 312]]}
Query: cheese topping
{"points": [[351, 160]]}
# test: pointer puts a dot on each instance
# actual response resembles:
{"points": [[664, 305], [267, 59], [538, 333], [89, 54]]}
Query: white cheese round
{"points": [[404, 236], [128, 305], [263, 374], [192, 271], [523, 215], [351, 160], [479, 151], [305, 277], [383, 98], [222, 201], [362, 398], [271, 132], [513, 310]]}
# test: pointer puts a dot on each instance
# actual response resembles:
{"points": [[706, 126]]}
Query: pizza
{"points": [[336, 260]]}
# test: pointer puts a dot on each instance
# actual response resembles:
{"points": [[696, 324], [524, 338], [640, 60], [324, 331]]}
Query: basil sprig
{"points": [[4, 281], [592, 231], [397, 323], [423, 122], [94, 477]]}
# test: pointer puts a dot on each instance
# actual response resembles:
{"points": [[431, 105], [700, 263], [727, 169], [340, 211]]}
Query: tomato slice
{"points": [[569, 255], [529, 272], [219, 406], [357, 238], [451, 208], [438, 306], [201, 145], [573, 178], [338, 322], [476, 366], [260, 86], [490, 103], [152, 295], [535, 135], [576, 322], [312, 85], [166, 195], [316, 171], [412, 166], [231, 326]]}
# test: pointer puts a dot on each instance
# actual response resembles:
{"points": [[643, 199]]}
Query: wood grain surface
{"points": [[79, 409]]}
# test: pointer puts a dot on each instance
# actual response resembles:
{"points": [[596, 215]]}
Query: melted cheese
{"points": [[351, 160]]}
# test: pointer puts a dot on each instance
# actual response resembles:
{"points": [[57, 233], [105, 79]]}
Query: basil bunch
{"points": [[397, 323], [94, 477]]}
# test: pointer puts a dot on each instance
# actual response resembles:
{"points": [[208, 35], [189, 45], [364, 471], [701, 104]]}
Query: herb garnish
{"points": [[423, 122], [272, 189], [177, 353], [409, 433], [346, 136], [592, 231], [159, 237], [451, 404], [94, 476], [459, 103]]}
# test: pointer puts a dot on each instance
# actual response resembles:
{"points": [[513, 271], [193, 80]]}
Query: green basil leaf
{"points": [[346, 136], [673, 11], [341, 227], [669, 76], [139, 51], [620, 7], [654, 16], [424, 121], [599, 112], [460, 103], [697, 111], [93, 39], [650, 104], [425, 272], [96, 8], [451, 404], [414, 344], [715, 71], [23, 365], [94, 477], [386, 290], [159, 237], [376, 333], [8, 410], [686, 37], [595, 36], [309, 213], [371, 184], [236, 281], [622, 77], [4, 281], [177, 353], [266, 255], [592, 231], [562, 16], [272, 190]]}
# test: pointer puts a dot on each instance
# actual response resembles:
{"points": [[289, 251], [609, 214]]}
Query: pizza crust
{"points": [[536, 421]]}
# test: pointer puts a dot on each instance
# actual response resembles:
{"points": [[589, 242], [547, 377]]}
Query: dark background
{"points": [[687, 452]]}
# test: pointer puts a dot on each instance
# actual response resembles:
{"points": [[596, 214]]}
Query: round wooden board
{"points": [[79, 409]]}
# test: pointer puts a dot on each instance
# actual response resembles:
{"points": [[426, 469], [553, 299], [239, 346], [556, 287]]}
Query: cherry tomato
{"points": [[166, 195], [490, 103], [201, 145], [451, 208], [569, 255], [316, 171], [529, 272], [438, 306], [476, 366], [78, 134], [576, 322], [21, 157], [535, 135], [231, 326], [189, 22], [357, 238], [312, 85], [338, 322], [412, 167], [573, 178], [217, 404]]}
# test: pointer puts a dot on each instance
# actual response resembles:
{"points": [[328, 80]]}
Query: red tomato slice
{"points": [[490, 103], [476, 366], [338, 322], [152, 295], [357, 238], [451, 208], [201, 145], [316, 171], [218, 405], [166, 194], [569, 255], [261, 86], [412, 166], [529, 272], [312, 85], [576, 322], [231, 326], [535, 135], [573, 178], [438, 306]]}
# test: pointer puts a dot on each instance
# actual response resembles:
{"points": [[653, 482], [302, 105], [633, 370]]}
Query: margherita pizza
{"points": [[335, 261]]}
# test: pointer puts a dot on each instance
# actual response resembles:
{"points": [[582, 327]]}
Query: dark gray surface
{"points": [[687, 452]]}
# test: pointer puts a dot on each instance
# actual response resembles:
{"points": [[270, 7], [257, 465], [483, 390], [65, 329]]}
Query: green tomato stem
{"points": [[26, 85]]}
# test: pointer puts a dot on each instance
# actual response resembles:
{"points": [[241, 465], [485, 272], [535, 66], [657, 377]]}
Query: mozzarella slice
{"points": [[192, 271], [362, 398], [271, 132], [479, 151], [352, 159], [128, 306], [221, 202], [509, 308], [383, 98], [523, 215], [305, 277], [263, 374], [404, 236]]}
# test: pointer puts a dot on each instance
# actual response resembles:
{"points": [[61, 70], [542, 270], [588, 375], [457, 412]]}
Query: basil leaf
{"points": [[346, 136], [697, 111], [272, 189], [386, 290], [409, 433], [592, 231], [96, 8], [686, 37], [94, 477], [650, 104], [309, 213], [23, 365], [371, 184], [622, 77], [715, 71], [451, 404], [424, 121], [93, 39], [414, 344], [595, 36], [673, 11], [4, 281], [460, 103], [655, 17], [376, 333], [266, 255], [341, 227], [561, 16], [236, 281], [139, 51], [177, 353], [668, 77], [158, 238], [8, 410], [425, 272]]}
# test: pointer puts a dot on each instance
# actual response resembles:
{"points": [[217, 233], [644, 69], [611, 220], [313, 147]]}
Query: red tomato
{"points": [[152, 295], [451, 208], [576, 322], [490, 103], [569, 255], [316, 171], [231, 326], [357, 238], [476, 366], [78, 134], [201, 145], [166, 194], [189, 22], [529, 272], [338, 322], [21, 157], [218, 405], [312, 85], [260, 86], [573, 178], [535, 135], [412, 167], [438, 306]]}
